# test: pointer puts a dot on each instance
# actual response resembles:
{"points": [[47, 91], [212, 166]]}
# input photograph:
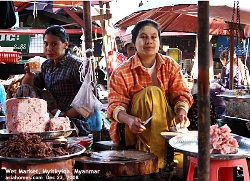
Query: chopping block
{"points": [[117, 165]]}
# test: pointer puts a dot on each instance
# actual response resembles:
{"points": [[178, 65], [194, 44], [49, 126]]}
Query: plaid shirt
{"points": [[131, 77], [63, 81]]}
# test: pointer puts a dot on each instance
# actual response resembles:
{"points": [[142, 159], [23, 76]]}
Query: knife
{"points": [[57, 113], [146, 122]]}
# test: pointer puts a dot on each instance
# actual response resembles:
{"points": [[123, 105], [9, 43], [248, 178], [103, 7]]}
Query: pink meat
{"points": [[59, 123], [221, 141], [26, 115]]}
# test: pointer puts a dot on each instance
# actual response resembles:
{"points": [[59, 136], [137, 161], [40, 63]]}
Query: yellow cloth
{"points": [[144, 104]]}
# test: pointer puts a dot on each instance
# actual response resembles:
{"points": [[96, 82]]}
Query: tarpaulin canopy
{"points": [[181, 16], [70, 7], [57, 3], [52, 6]]}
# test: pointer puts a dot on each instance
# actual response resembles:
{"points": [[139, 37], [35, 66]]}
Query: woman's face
{"points": [[53, 47], [147, 41], [223, 61]]}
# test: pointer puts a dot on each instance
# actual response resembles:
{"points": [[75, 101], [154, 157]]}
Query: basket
{"points": [[9, 57]]}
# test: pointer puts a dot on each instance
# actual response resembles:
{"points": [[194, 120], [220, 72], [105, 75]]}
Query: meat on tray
{"points": [[26, 145], [221, 140]]}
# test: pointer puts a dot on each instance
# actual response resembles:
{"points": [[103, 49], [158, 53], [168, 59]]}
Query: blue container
{"points": [[2, 99]]}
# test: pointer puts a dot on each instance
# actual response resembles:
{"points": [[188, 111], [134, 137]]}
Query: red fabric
{"points": [[115, 59]]}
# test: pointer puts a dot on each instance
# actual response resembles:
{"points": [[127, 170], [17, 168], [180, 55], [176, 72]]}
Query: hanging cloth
{"points": [[7, 14]]}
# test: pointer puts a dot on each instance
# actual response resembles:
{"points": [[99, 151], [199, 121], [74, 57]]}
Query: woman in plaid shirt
{"points": [[146, 84], [59, 74]]}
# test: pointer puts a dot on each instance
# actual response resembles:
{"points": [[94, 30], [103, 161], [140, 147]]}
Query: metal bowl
{"points": [[235, 98], [188, 144], [44, 135]]}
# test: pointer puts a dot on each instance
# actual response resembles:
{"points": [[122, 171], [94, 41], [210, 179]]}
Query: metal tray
{"points": [[188, 144], [43, 135], [235, 98], [79, 149]]}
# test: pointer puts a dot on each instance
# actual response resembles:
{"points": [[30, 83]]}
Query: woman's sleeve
{"points": [[179, 92], [118, 94]]}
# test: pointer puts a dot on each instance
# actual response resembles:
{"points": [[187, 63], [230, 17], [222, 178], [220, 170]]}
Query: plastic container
{"points": [[9, 57], [35, 64], [6, 49], [86, 142], [2, 100]]}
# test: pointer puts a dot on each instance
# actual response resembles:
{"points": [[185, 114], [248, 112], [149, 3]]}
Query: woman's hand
{"points": [[27, 69], [181, 117], [135, 125]]}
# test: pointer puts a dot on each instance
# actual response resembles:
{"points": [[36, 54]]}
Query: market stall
{"points": [[122, 162]]}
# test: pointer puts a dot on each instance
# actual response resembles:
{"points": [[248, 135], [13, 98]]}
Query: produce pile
{"points": [[221, 140], [11, 85]]}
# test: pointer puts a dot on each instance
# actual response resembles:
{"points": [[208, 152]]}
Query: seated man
{"points": [[129, 48]]}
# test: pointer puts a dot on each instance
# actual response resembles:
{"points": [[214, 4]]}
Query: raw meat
{"points": [[59, 123], [27, 115], [221, 140]]}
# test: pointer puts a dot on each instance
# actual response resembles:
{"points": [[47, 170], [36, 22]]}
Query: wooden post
{"points": [[87, 24], [88, 44], [231, 58], [203, 92], [104, 38], [88, 31]]}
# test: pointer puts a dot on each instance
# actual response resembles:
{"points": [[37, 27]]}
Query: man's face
{"points": [[130, 49]]}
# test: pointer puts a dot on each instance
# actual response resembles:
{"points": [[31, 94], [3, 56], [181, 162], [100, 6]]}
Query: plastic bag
{"points": [[95, 121], [7, 14], [2, 99], [85, 102]]}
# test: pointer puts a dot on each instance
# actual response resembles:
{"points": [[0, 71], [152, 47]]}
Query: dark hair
{"points": [[58, 31], [224, 55], [127, 44], [139, 25]]}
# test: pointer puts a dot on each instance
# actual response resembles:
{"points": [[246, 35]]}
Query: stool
{"points": [[226, 173], [24, 171]]}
